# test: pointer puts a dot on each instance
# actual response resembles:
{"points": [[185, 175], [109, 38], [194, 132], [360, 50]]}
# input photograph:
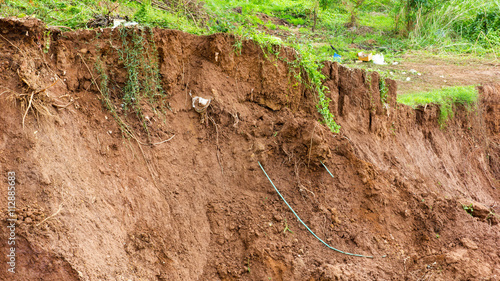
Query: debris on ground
{"points": [[362, 56], [378, 59]]}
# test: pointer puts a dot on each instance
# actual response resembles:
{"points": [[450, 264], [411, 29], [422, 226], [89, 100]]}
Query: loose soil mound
{"points": [[95, 205]]}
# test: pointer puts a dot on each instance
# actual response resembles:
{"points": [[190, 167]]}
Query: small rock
{"points": [[408, 78], [336, 219], [277, 217], [413, 71], [83, 51], [45, 179], [469, 243], [332, 272], [28, 220], [301, 252], [259, 146], [299, 263], [455, 256]]}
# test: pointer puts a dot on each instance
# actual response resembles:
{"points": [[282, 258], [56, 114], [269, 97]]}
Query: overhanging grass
{"points": [[445, 98]]}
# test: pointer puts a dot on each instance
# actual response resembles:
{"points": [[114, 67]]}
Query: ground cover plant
{"points": [[446, 98]]}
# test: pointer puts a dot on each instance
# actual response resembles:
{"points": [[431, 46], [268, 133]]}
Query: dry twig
{"points": [[53, 215]]}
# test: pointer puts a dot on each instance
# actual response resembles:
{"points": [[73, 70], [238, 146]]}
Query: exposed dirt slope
{"points": [[93, 205]]}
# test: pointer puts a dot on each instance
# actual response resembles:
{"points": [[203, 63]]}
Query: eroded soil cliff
{"points": [[93, 204]]}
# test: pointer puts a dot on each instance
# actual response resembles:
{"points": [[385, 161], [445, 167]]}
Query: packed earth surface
{"points": [[173, 193]]}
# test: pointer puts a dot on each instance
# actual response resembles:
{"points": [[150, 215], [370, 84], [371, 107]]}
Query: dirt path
{"points": [[428, 72]]}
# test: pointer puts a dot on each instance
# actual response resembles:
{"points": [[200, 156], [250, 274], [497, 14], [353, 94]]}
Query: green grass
{"points": [[76, 14], [72, 14], [450, 26], [446, 98]]}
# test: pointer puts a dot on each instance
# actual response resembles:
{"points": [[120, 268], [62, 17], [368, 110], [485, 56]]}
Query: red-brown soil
{"points": [[94, 205]]}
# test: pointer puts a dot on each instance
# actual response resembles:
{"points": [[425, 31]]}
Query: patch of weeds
{"points": [[286, 228], [47, 38], [106, 100], [446, 98], [139, 55], [248, 265], [490, 216], [437, 235], [324, 110], [270, 25], [468, 208], [310, 63]]}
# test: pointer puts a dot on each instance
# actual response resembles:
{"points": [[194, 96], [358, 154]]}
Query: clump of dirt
{"points": [[96, 204]]}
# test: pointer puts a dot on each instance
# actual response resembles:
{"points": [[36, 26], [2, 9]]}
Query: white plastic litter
{"points": [[378, 59], [118, 22], [201, 101], [200, 104]]}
